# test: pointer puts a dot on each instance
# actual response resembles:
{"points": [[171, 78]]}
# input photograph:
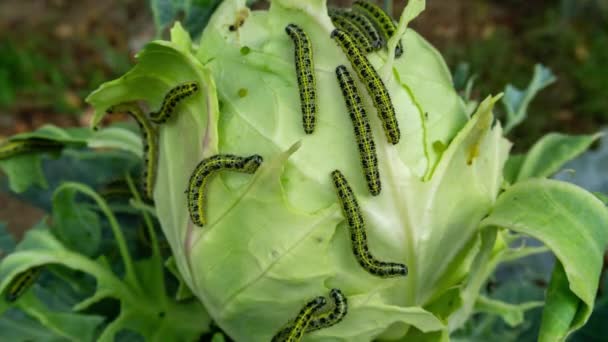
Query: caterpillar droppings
{"points": [[373, 83], [171, 100], [305, 72], [296, 329], [363, 131], [204, 170], [356, 224], [21, 283], [382, 21], [150, 142]]}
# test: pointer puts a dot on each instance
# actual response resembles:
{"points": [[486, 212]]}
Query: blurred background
{"points": [[53, 53]]}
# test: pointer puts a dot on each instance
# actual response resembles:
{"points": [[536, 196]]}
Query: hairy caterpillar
{"points": [[206, 168], [305, 72], [13, 148], [346, 25], [382, 21], [372, 81], [296, 329], [356, 225], [150, 141], [362, 23], [334, 316], [171, 100], [21, 283], [363, 131]]}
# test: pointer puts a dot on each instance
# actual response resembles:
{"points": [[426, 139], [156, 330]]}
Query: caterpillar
{"points": [[150, 142], [356, 224], [331, 317], [363, 131], [206, 168], [21, 283], [381, 19], [362, 23], [372, 81], [171, 100], [346, 25], [13, 148], [305, 75], [296, 329]]}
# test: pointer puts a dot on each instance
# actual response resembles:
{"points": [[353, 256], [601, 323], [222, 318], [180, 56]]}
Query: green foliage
{"points": [[278, 237]]}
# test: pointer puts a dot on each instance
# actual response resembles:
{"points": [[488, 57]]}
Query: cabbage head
{"points": [[278, 238]]}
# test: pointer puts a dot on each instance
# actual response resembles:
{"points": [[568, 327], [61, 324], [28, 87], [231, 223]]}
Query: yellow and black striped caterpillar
{"points": [[346, 25], [305, 72], [331, 317], [356, 224], [171, 100], [381, 20], [362, 23], [296, 329], [150, 142], [21, 283], [372, 81], [363, 131], [206, 168], [16, 147]]}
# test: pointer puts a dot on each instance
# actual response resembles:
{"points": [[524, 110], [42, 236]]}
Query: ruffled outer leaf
{"points": [[572, 223]]}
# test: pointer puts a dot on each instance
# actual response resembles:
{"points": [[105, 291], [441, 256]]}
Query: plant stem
{"points": [[116, 230]]}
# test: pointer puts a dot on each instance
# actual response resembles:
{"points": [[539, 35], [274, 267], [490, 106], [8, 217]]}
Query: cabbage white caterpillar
{"points": [[296, 329], [305, 72], [356, 224], [381, 19], [362, 23], [204, 170], [372, 81], [150, 142], [363, 131], [171, 100], [21, 283]]}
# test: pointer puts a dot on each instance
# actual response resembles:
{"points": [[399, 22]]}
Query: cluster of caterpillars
{"points": [[361, 30]]}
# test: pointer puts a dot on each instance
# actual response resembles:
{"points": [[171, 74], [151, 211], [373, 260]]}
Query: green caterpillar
{"points": [[305, 72], [362, 23], [331, 317], [363, 131], [296, 329], [204, 170], [21, 283], [381, 19], [171, 100], [150, 141], [372, 81], [356, 225], [13, 148], [346, 25]]}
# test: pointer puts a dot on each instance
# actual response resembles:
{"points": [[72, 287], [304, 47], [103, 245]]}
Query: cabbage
{"points": [[278, 238]]}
